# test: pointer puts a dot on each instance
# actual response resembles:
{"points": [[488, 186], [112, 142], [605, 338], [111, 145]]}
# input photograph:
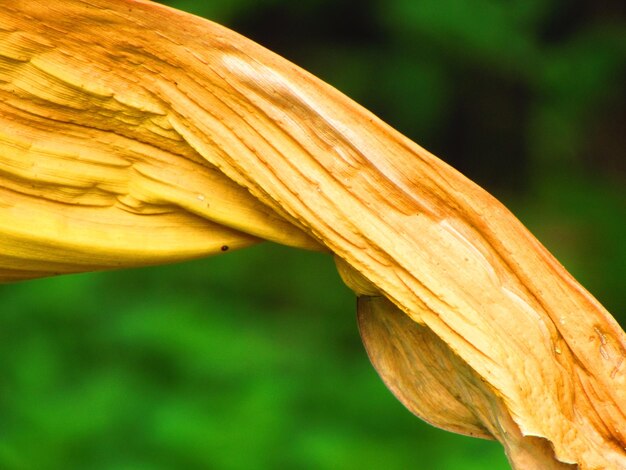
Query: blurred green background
{"points": [[252, 360]]}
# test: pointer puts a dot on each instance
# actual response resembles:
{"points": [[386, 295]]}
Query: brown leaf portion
{"points": [[436, 385], [314, 165], [421, 371]]}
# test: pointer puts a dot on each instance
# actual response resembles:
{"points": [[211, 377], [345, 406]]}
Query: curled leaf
{"points": [[136, 134], [435, 384]]}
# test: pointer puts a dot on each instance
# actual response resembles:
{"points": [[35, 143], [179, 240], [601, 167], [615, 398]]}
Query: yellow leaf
{"points": [[132, 134]]}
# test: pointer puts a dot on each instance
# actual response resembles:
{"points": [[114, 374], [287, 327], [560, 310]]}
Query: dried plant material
{"points": [[135, 134], [436, 385]]}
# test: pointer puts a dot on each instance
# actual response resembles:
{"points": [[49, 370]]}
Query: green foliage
{"points": [[252, 359]]}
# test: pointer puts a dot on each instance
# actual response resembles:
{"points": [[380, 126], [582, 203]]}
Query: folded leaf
{"points": [[436, 385], [135, 134]]}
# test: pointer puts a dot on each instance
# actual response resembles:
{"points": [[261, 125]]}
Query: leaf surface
{"points": [[135, 134]]}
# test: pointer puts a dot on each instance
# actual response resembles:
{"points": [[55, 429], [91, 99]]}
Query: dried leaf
{"points": [[436, 385], [135, 134]]}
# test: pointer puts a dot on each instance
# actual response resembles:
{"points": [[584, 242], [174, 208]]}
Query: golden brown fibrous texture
{"points": [[134, 134]]}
